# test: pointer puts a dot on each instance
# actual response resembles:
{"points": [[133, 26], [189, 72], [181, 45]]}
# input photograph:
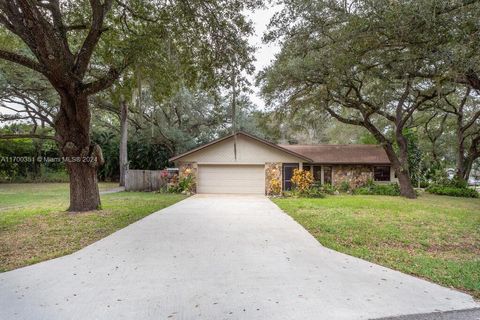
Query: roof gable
{"points": [[326, 154], [243, 135]]}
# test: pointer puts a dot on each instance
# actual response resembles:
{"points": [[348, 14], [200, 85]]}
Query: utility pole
{"points": [[234, 113]]}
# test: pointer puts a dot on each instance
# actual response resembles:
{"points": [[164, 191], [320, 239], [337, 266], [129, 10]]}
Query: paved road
{"points": [[216, 257]]}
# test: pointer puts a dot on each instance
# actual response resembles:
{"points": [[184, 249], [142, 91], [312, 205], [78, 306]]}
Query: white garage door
{"points": [[231, 179]]}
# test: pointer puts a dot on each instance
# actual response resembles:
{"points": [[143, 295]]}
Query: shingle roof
{"points": [[341, 153]]}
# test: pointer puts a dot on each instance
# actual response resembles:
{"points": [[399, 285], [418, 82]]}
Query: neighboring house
{"points": [[243, 163], [450, 172], [473, 180]]}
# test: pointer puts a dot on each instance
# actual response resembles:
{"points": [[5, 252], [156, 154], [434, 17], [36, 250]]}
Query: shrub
{"points": [[453, 191], [317, 184], [172, 185], [344, 186], [424, 184], [328, 188], [312, 193], [458, 183], [370, 188], [452, 187], [302, 180], [274, 187], [184, 184], [441, 179]]}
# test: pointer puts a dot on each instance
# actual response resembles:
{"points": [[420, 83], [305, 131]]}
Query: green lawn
{"points": [[434, 237], [34, 225]]}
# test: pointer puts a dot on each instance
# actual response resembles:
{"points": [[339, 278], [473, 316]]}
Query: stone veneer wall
{"points": [[355, 175], [273, 170], [193, 167]]}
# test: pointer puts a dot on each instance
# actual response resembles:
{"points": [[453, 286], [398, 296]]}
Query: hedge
{"points": [[453, 191], [378, 189]]}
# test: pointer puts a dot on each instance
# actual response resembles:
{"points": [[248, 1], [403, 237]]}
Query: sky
{"points": [[265, 53]]}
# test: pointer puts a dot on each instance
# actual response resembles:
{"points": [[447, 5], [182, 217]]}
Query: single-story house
{"points": [[243, 163]]}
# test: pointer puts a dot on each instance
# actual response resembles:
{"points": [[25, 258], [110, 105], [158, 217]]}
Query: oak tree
{"points": [[82, 47], [373, 64]]}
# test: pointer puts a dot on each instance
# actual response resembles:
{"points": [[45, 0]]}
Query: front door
{"points": [[288, 174]]}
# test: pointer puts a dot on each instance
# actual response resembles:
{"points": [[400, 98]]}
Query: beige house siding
{"points": [[249, 151]]}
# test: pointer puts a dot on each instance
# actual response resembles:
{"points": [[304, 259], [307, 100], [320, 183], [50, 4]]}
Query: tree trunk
{"points": [[82, 158], [123, 140], [84, 195], [406, 188], [472, 155], [435, 155], [460, 162], [460, 156], [401, 169], [467, 168]]}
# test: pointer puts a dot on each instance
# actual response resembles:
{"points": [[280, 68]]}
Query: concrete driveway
{"points": [[216, 257]]}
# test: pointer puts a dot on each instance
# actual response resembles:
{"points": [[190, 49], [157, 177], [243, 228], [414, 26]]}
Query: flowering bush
{"points": [[164, 174], [185, 183], [302, 180], [305, 186], [274, 187]]}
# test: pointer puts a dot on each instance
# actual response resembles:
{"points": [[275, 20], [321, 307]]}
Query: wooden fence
{"points": [[144, 180]]}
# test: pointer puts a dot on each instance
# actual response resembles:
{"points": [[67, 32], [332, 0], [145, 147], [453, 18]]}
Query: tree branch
{"points": [[102, 83], [26, 136], [355, 122], [99, 11], [471, 78], [22, 60], [72, 27]]}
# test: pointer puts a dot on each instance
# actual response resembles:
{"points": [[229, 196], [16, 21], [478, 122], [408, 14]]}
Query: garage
{"points": [[238, 163], [231, 179]]}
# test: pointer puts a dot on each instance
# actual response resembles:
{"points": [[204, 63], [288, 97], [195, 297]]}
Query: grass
{"points": [[34, 225], [433, 237]]}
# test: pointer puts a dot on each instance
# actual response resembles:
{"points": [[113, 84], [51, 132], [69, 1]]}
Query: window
{"points": [[317, 173], [288, 174], [327, 175], [381, 173]]}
